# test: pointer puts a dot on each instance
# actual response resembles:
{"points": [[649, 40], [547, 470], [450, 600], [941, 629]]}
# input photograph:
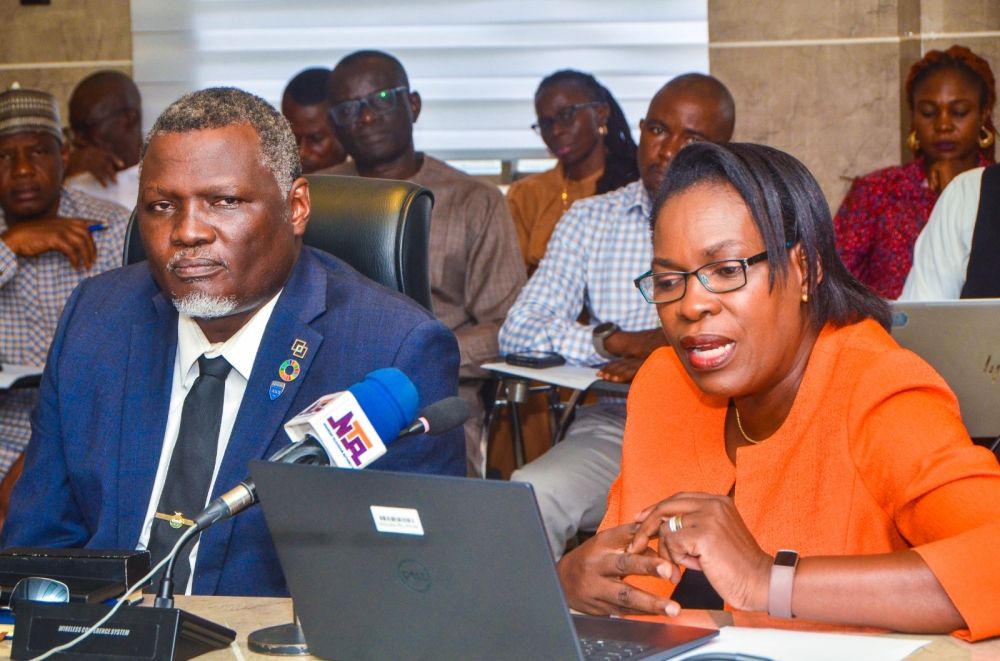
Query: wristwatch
{"points": [[601, 333], [779, 594]]}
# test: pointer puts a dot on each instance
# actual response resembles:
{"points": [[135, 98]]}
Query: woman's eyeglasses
{"points": [[379, 103], [717, 277], [563, 117]]}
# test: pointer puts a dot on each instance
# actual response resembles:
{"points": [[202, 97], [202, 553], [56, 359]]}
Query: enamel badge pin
{"points": [[289, 370], [299, 348], [277, 387]]}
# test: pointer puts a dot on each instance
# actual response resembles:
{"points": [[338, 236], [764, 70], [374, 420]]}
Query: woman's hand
{"points": [[941, 173], [712, 538], [592, 576]]}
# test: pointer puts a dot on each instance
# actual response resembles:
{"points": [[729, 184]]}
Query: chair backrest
{"points": [[381, 227]]}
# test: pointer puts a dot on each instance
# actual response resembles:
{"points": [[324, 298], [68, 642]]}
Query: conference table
{"points": [[245, 615]]}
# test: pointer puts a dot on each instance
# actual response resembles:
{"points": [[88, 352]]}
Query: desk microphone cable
{"points": [[123, 599]]}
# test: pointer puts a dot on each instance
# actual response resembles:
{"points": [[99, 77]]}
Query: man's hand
{"points": [[99, 162], [621, 371], [592, 576], [67, 235], [712, 538], [635, 345]]}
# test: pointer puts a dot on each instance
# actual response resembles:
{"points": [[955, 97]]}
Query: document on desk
{"points": [[568, 376], [781, 645], [11, 374]]}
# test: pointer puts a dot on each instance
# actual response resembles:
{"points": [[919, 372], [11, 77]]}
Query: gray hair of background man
{"points": [[219, 107]]}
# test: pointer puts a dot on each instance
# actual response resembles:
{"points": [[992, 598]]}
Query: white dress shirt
{"points": [[239, 351], [124, 192], [941, 253]]}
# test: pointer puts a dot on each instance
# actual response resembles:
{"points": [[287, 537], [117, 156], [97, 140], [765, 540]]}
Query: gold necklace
{"points": [[740, 425]]}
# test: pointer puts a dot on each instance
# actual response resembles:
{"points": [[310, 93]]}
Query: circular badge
{"points": [[414, 575], [289, 370]]}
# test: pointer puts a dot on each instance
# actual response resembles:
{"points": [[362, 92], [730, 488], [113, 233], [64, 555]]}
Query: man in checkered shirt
{"points": [[598, 247], [51, 238]]}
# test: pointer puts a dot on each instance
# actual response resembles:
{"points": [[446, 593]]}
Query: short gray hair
{"points": [[219, 107]]}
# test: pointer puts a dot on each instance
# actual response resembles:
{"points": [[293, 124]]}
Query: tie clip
{"points": [[176, 520]]}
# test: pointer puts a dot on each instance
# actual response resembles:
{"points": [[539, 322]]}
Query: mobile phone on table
{"points": [[535, 359]]}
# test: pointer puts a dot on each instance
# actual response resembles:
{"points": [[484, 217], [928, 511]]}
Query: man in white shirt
{"points": [[105, 113], [167, 377], [957, 255]]}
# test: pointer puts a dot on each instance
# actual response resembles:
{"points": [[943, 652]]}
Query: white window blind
{"points": [[476, 63]]}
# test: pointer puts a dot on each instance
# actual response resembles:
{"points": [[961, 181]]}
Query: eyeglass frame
{"points": [[364, 101], [545, 125], [745, 262]]}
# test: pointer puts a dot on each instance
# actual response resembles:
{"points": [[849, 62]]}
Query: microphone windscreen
{"points": [[445, 415], [389, 399]]}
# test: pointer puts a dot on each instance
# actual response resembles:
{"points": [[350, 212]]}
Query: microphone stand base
{"points": [[282, 640]]}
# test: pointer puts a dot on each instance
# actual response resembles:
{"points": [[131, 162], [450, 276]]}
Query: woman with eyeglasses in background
{"points": [[783, 446], [586, 130]]}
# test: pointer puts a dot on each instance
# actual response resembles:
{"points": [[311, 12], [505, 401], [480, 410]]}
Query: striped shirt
{"points": [[33, 291], [598, 248]]}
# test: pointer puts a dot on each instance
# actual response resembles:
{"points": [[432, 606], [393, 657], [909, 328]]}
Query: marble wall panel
{"points": [[834, 107], [65, 30], [960, 15], [767, 20]]}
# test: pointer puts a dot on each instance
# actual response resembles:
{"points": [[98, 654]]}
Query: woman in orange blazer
{"points": [[783, 444]]}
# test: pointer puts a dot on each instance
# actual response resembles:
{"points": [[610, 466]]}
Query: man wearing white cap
{"points": [[51, 238]]}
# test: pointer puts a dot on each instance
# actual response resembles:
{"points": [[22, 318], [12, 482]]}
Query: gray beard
{"points": [[203, 306]]}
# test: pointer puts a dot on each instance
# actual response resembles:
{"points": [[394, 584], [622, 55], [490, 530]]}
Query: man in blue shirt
{"points": [[598, 247]]}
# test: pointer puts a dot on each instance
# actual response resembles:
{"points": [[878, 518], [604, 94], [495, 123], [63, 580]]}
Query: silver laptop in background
{"points": [[961, 340], [416, 567]]}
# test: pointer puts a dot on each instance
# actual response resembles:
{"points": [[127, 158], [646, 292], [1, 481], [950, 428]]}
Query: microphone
{"points": [[438, 418], [345, 429]]}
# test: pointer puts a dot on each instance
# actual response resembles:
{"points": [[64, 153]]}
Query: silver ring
{"points": [[675, 523]]}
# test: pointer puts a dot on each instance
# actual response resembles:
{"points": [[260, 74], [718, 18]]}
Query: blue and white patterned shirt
{"points": [[598, 248], [33, 291]]}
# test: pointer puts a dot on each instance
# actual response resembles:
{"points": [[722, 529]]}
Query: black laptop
{"points": [[400, 566]]}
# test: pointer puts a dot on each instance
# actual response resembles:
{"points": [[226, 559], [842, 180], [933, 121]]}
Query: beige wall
{"points": [[53, 47], [824, 80]]}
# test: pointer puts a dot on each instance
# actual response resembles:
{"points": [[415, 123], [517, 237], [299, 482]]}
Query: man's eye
{"points": [[160, 206], [228, 201]]}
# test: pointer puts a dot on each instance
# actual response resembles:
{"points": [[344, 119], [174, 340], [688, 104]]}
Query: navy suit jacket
{"points": [[97, 431]]}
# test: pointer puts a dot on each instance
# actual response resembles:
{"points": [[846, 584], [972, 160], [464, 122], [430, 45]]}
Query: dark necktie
{"points": [[192, 463]]}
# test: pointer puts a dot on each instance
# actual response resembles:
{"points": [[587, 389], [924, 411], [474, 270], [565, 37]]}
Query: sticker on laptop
{"points": [[899, 319], [397, 520]]}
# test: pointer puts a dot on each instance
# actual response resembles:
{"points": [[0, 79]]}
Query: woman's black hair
{"points": [[787, 205], [621, 162]]}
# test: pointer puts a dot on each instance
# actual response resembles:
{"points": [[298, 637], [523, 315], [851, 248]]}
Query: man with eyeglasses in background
{"points": [[596, 251], [475, 262], [105, 113]]}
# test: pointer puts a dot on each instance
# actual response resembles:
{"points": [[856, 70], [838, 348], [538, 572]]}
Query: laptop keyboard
{"points": [[595, 649]]}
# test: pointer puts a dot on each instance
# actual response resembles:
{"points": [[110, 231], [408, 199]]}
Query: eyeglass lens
{"points": [[380, 103], [563, 117], [718, 278]]}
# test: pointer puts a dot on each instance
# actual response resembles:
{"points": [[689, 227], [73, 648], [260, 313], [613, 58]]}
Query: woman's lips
{"points": [[565, 149], [945, 146], [708, 353]]}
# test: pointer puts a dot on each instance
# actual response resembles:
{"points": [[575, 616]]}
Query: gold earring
{"points": [[912, 142], [603, 130], [985, 140], [805, 298]]}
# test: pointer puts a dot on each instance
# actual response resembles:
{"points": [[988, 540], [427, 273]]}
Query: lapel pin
{"points": [[289, 370], [299, 348], [277, 387]]}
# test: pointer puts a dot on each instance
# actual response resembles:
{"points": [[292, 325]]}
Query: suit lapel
{"points": [[148, 380], [260, 418]]}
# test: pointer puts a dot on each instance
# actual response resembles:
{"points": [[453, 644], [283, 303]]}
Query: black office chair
{"points": [[381, 227]]}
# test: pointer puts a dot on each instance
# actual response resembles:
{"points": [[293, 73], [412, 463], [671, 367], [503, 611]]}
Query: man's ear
{"points": [[64, 149], [298, 198], [415, 105]]}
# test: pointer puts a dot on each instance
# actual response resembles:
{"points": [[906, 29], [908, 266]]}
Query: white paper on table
{"points": [[781, 645], [11, 373], [568, 376]]}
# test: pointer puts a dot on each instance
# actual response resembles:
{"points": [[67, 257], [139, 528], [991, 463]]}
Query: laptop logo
{"points": [[414, 575], [991, 368], [397, 520]]}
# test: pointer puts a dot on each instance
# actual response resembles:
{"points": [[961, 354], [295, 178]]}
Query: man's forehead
{"points": [[687, 104], [364, 77], [22, 138]]}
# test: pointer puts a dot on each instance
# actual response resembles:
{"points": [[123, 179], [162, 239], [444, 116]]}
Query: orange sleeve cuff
{"points": [[968, 567]]}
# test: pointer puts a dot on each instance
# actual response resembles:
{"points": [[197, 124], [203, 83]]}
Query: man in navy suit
{"points": [[222, 209]]}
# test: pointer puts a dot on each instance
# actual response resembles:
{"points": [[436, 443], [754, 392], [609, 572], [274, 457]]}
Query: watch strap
{"points": [[601, 333], [779, 594]]}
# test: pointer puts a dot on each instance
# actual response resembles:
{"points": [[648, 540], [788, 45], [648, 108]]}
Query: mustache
{"points": [[195, 253]]}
